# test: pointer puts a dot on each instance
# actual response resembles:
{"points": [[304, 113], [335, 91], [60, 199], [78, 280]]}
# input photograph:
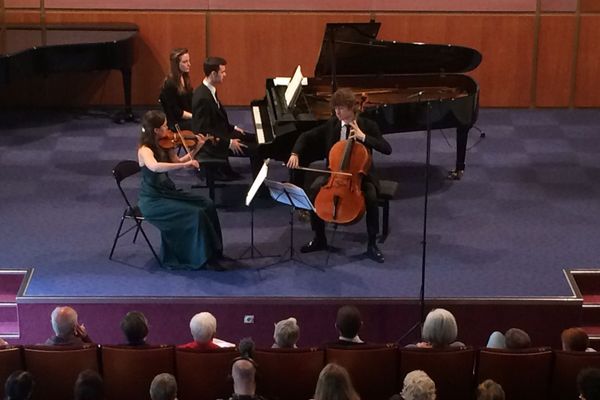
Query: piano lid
{"points": [[358, 52]]}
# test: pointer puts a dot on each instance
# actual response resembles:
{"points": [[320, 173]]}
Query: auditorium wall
{"points": [[536, 53]]}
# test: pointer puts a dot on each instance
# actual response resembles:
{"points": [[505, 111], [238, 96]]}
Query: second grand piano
{"points": [[404, 87]]}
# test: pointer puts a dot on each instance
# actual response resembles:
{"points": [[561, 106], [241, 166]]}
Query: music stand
{"points": [[293, 196], [260, 178]]}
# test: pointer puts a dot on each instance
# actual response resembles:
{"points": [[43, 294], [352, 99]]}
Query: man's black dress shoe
{"points": [[314, 245], [374, 253]]}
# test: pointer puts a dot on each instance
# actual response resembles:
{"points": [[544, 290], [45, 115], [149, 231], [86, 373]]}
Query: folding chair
{"points": [[121, 171]]}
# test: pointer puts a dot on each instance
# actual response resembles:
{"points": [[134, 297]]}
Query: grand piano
{"points": [[28, 50], [403, 87]]}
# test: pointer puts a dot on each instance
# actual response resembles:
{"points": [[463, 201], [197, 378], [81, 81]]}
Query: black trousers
{"points": [[369, 190], [221, 150]]}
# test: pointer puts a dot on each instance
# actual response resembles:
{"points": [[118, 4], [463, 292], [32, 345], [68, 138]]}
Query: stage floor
{"points": [[526, 209]]}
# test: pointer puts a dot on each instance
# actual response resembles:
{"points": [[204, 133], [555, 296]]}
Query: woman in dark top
{"points": [[188, 222], [176, 92]]}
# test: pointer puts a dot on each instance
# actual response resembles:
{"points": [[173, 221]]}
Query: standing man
{"points": [[318, 142], [210, 117]]}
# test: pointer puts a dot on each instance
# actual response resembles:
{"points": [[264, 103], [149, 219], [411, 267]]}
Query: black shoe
{"points": [[374, 253], [314, 245], [456, 174]]}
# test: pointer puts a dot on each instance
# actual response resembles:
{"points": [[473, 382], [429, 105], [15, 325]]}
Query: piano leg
{"points": [[462, 135], [127, 114]]}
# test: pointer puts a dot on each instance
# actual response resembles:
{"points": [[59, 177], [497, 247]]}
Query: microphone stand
{"points": [[425, 209]]}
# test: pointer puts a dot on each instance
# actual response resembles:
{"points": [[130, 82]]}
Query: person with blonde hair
{"points": [[490, 390], [334, 384], [286, 334], [418, 385]]}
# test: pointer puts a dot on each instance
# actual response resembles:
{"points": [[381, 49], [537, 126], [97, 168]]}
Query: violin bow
{"points": [[187, 149]]}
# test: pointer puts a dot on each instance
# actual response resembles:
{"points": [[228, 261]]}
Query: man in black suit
{"points": [[210, 117], [316, 144]]}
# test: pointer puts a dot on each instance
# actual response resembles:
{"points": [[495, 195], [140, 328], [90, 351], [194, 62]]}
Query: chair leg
{"points": [[112, 250], [139, 226], [386, 221]]}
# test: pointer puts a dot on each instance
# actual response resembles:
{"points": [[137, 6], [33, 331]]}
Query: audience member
{"points": [[439, 330], [163, 387], [18, 386], [89, 386], [286, 334], [588, 384], [418, 386], [243, 372], [513, 339], [490, 390], [135, 328], [203, 327], [348, 322], [3, 342], [575, 339], [68, 331], [334, 384]]}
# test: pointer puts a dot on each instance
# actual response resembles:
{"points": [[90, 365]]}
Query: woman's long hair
{"points": [[153, 119], [334, 384], [175, 73]]}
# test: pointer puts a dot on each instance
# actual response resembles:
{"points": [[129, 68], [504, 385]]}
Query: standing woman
{"points": [[188, 222], [177, 91]]}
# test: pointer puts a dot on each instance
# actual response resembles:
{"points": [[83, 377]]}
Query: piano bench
{"points": [[387, 191], [208, 165]]}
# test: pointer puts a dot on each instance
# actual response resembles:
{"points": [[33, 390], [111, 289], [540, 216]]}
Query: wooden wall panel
{"points": [[590, 6], [555, 60], [587, 83], [504, 40], [261, 45], [159, 33]]}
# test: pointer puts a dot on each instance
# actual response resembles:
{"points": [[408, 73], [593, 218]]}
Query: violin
{"points": [[173, 139], [341, 199]]}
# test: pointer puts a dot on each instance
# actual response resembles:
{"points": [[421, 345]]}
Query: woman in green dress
{"points": [[188, 222]]}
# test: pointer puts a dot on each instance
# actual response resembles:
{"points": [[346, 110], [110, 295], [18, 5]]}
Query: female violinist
{"points": [[316, 144], [188, 222], [177, 90]]}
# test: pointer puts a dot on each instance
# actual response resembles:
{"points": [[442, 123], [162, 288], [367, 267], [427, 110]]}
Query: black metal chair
{"points": [[121, 171]]}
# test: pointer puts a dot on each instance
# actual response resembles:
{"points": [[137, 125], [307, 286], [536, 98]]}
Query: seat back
{"points": [[567, 365], [523, 374], [450, 369], [288, 374], [204, 375], [128, 370], [55, 368], [373, 370], [124, 169], [11, 359]]}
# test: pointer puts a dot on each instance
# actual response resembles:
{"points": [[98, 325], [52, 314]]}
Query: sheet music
{"points": [[293, 89], [290, 194], [260, 133], [285, 80], [260, 178]]}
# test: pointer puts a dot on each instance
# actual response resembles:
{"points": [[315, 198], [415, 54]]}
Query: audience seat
{"points": [[288, 374], [128, 370], [204, 375], [567, 365], [373, 370], [55, 368], [523, 374], [450, 369], [11, 359]]}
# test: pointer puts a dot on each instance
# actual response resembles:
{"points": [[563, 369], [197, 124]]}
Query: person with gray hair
{"points": [[513, 339], [163, 387], [439, 330], [490, 390], [203, 327], [286, 334], [418, 386], [68, 331]]}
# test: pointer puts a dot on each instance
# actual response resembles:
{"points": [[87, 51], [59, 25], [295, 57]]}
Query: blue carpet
{"points": [[526, 209]]}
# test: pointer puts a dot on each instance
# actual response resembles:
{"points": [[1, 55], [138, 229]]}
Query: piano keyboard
{"points": [[260, 133]]}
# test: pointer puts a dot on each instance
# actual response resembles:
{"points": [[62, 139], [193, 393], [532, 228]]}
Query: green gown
{"points": [[188, 222]]}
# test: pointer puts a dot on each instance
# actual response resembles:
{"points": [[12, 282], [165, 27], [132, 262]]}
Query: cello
{"points": [[341, 199]]}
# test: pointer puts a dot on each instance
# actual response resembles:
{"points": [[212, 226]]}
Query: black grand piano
{"points": [[28, 50], [403, 87]]}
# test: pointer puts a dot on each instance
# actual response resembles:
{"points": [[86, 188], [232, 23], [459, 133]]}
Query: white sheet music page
{"points": [[293, 87], [260, 178]]}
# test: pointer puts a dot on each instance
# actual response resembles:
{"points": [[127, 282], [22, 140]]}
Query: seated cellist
{"points": [[318, 141]]}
